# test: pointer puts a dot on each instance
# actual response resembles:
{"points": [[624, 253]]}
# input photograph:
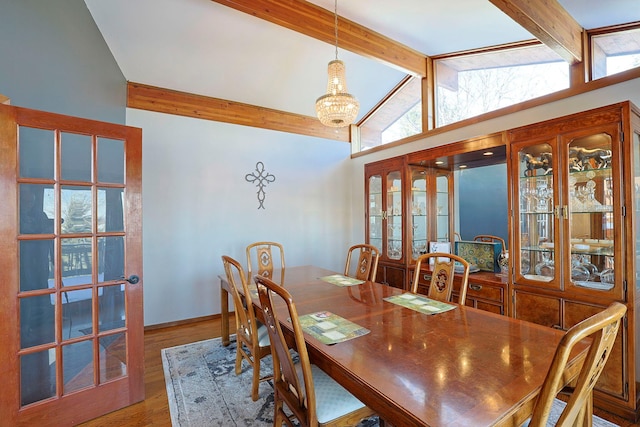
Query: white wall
{"points": [[198, 206]]}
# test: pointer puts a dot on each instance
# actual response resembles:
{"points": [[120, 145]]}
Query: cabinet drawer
{"points": [[475, 290], [540, 309], [391, 275], [612, 377], [485, 292], [493, 308]]}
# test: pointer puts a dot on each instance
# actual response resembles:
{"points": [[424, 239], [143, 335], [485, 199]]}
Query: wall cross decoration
{"points": [[260, 178]]}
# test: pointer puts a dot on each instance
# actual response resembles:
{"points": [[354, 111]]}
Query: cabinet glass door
{"points": [[442, 209], [375, 211], [536, 214], [590, 205], [394, 215], [419, 217]]}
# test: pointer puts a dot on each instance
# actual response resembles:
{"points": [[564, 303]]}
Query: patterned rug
{"points": [[203, 389]]}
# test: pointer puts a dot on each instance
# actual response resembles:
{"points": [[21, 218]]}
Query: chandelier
{"points": [[337, 108]]}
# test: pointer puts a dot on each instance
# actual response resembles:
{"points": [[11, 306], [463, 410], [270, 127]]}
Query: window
{"points": [[397, 117], [614, 52], [468, 85], [408, 124]]}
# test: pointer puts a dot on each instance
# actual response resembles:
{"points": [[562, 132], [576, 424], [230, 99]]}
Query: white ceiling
{"points": [[202, 47]]}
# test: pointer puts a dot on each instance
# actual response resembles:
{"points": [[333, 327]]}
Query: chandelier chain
{"points": [[335, 26], [337, 108]]}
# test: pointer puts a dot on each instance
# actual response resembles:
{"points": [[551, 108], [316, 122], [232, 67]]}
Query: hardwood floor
{"points": [[154, 411]]}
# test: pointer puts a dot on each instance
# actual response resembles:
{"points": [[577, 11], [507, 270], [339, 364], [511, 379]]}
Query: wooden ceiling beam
{"points": [[314, 21], [549, 22], [152, 98]]}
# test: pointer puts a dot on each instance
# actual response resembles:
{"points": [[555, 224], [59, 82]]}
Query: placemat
{"points": [[340, 280], [420, 303], [329, 328]]}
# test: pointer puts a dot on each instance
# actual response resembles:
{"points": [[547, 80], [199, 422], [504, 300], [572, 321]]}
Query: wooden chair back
{"points": [[442, 274], [251, 346], [367, 266], [261, 261], [244, 312], [490, 238], [602, 328], [294, 385], [298, 396]]}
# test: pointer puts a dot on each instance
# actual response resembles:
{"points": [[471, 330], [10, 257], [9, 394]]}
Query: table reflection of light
{"points": [[491, 402], [465, 365], [441, 375], [506, 355], [417, 392], [526, 363]]}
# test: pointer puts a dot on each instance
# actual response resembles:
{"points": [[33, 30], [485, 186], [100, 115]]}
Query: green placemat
{"points": [[330, 328], [420, 303], [340, 280]]}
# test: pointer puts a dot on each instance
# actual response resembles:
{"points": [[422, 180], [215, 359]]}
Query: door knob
{"points": [[133, 279]]}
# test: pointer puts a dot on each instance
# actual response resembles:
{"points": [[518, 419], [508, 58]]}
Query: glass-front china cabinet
{"points": [[573, 189], [574, 252]]}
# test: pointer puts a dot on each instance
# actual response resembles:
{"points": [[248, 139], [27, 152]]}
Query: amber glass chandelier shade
{"points": [[337, 108]]}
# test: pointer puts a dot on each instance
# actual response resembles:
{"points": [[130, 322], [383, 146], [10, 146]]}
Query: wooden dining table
{"points": [[463, 367]]}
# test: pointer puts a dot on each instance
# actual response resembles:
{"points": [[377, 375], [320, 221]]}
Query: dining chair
{"points": [[490, 238], [252, 339], [602, 328], [367, 266], [442, 274], [264, 261], [312, 396]]}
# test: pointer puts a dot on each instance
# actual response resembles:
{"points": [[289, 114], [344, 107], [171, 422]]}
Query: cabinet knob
{"points": [[475, 287]]}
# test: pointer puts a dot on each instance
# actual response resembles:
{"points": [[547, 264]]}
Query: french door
{"points": [[71, 321]]}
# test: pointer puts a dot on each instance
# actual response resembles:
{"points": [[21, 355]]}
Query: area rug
{"points": [[203, 389]]}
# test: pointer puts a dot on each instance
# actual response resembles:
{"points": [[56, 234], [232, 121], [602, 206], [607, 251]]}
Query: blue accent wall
{"points": [[483, 201], [53, 58]]}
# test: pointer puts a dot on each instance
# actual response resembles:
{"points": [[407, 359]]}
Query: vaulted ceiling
{"points": [[274, 53]]}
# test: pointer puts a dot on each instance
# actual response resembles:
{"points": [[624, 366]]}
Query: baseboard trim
{"points": [[183, 322]]}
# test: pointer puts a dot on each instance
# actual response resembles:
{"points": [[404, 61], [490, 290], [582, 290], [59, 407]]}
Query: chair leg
{"points": [[278, 414], [587, 411], [256, 379], [238, 359]]}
